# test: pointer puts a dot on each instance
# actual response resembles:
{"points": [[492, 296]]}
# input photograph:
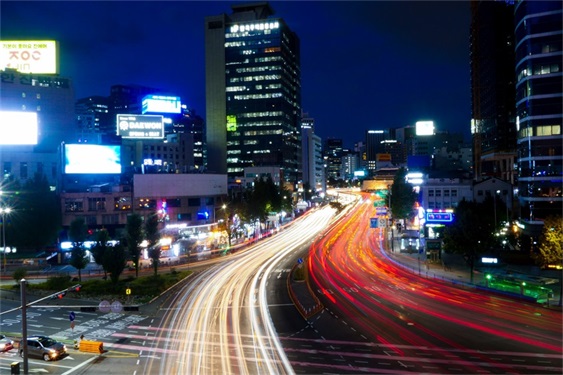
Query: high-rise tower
{"points": [[539, 109], [253, 92], [493, 89]]}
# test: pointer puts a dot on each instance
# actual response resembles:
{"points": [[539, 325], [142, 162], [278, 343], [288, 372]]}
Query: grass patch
{"points": [[299, 273]]}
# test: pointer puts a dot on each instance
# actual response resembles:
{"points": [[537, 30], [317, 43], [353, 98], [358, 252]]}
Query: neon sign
{"points": [[439, 216]]}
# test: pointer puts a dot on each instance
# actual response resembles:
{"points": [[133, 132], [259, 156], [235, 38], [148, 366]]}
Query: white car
{"points": [[5, 344]]}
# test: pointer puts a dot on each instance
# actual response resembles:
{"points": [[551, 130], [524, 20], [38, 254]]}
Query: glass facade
{"points": [[539, 98], [263, 97]]}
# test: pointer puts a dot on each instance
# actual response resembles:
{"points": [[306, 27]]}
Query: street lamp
{"points": [[495, 204], [4, 211]]}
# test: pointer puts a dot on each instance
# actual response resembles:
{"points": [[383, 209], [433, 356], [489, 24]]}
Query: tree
{"points": [[37, 223], [550, 248], [134, 237], [285, 196], [226, 223], [115, 260], [259, 200], [19, 274], [153, 236], [78, 232], [99, 249], [403, 196], [471, 232]]}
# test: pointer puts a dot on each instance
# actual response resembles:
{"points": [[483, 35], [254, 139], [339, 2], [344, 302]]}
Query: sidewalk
{"points": [[453, 268]]}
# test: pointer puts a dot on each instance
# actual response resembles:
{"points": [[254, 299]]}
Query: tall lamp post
{"points": [[4, 211]]}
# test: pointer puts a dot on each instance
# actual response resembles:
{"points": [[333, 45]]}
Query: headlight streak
{"points": [[276, 349], [220, 329]]}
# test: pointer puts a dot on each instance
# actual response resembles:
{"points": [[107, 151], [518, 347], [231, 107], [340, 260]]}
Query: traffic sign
{"points": [[116, 307], [71, 316], [373, 222], [382, 222], [104, 306], [381, 210], [300, 260]]}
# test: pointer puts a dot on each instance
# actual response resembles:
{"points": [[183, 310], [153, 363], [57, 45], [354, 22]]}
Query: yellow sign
{"points": [[231, 123], [29, 56], [128, 291]]}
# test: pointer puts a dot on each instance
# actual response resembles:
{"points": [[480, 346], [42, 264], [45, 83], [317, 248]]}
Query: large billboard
{"points": [[18, 128], [92, 159], [424, 128], [161, 104], [29, 56], [140, 126]]}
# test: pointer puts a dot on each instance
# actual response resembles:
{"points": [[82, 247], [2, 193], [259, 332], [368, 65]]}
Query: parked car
{"points": [[5, 344], [43, 347]]}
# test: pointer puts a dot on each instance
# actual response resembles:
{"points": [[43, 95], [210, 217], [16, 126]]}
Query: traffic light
{"points": [[75, 288], [61, 294], [58, 295]]}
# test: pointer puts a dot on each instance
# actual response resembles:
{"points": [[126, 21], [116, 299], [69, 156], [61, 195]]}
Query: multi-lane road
{"points": [[220, 322], [234, 316], [408, 323]]}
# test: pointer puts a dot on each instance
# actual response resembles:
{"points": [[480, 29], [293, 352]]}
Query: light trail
{"points": [[220, 323], [392, 306]]}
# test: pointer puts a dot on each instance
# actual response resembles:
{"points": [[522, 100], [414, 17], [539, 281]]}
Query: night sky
{"points": [[364, 65]]}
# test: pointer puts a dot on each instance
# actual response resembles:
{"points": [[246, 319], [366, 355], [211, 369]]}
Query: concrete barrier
{"points": [[91, 346]]}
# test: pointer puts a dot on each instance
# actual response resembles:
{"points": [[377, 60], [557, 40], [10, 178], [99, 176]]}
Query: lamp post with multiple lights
{"points": [[3, 212]]}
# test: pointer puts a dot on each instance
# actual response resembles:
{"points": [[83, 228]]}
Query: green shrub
{"points": [[58, 282], [19, 274], [143, 289], [299, 273]]}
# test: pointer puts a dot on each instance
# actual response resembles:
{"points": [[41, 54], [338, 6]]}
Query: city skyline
{"points": [[379, 64]]}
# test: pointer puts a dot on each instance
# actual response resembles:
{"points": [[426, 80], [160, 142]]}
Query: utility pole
{"points": [[23, 283], [24, 306]]}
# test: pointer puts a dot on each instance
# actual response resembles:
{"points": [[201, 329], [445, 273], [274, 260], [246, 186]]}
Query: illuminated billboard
{"points": [[161, 104], [439, 216], [360, 173], [425, 128], [231, 123], [140, 126], [29, 56], [92, 159], [18, 128]]}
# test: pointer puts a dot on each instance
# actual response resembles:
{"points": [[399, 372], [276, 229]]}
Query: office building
{"points": [[333, 152], [493, 89], [49, 95], [253, 92], [374, 146], [94, 116], [312, 154], [50, 98], [350, 165], [539, 99]]}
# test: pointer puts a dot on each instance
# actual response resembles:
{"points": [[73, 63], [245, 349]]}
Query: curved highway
{"points": [[420, 325], [219, 323]]}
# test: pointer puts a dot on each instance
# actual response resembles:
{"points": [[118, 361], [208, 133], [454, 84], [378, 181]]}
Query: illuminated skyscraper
{"points": [[539, 110], [312, 152], [253, 92], [374, 146]]}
